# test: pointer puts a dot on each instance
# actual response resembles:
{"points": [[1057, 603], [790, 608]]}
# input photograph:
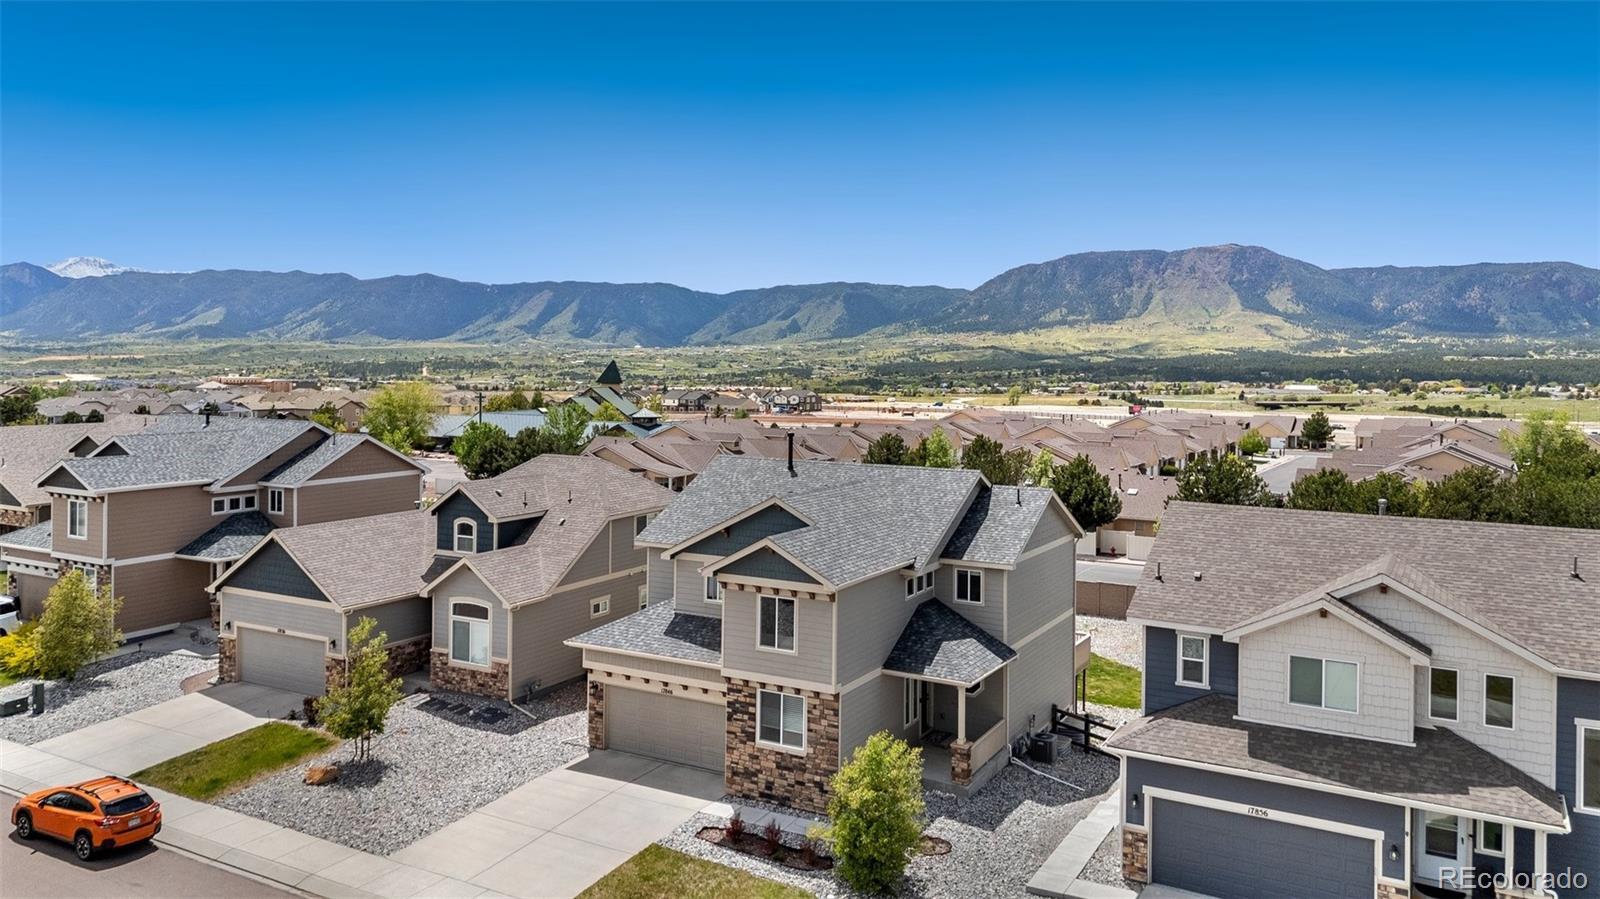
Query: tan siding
{"points": [[597, 658], [276, 458], [286, 518], [162, 592], [150, 522], [58, 528], [367, 458], [322, 620], [31, 591], [812, 660], [34, 555], [538, 654], [873, 706], [988, 614], [354, 499]]}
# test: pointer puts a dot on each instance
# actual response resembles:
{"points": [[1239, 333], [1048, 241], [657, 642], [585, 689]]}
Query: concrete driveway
{"points": [[559, 833], [154, 734]]}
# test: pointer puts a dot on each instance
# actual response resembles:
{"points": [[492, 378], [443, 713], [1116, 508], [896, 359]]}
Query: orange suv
{"points": [[96, 814]]}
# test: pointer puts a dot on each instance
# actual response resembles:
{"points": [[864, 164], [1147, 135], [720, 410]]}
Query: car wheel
{"points": [[24, 825], [83, 846]]}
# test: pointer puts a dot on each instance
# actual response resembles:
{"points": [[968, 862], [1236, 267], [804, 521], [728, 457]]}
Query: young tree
{"points": [[358, 707], [568, 426], [876, 807], [1317, 430], [1014, 395], [608, 412], [19, 408], [401, 414], [887, 449], [1040, 468], [1086, 493], [938, 451], [79, 625], [481, 449], [1322, 491], [328, 416], [1228, 480], [1251, 443]]}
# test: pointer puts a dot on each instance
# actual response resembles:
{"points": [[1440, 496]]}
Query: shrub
{"points": [[310, 706], [735, 827], [773, 835], [876, 809], [77, 627], [17, 654]]}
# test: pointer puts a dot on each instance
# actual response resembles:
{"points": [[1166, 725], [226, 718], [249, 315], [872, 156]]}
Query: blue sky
{"points": [[739, 145]]}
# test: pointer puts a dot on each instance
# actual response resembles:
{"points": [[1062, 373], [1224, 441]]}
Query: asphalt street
{"points": [[43, 868]]}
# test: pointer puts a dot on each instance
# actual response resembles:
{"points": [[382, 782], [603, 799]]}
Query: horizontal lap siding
{"points": [[148, 522], [595, 561], [355, 499], [366, 457], [288, 451], [659, 572], [689, 589], [1039, 590], [599, 658], [402, 619], [539, 630], [1161, 689], [989, 614], [873, 706], [1041, 676], [813, 659], [93, 543], [293, 617], [466, 585], [873, 613], [161, 592]]}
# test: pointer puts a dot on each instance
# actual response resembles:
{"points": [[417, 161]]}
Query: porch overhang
{"points": [[940, 645]]}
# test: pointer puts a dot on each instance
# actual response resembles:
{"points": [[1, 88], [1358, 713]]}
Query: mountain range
{"points": [[1204, 288]]}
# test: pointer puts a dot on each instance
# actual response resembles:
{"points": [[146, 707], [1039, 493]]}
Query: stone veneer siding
{"points": [[496, 682], [1392, 891], [794, 779], [15, 519], [227, 659], [597, 715], [961, 763], [1135, 855]]}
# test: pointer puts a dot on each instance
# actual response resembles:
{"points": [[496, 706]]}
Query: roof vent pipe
{"points": [[1575, 575], [791, 454], [1383, 506]]}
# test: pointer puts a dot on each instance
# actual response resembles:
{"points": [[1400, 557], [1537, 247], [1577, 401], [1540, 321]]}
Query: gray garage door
{"points": [[278, 660], [666, 727], [1239, 857]]}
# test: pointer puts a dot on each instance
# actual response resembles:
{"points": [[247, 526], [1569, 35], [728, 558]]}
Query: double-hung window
{"points": [[469, 633], [713, 589], [1589, 767], [600, 607], [466, 531], [275, 500], [969, 585], [781, 719], [1442, 695], [1323, 683], [1499, 701], [1194, 669], [78, 519], [776, 627]]}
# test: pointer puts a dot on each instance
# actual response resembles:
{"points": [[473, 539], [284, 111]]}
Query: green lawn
{"points": [[658, 871], [227, 764], [6, 680], [1113, 683]]}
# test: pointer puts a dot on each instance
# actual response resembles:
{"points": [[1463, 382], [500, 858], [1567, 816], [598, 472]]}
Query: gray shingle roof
{"points": [[865, 519], [1442, 768], [660, 630], [997, 525], [938, 642], [36, 536], [363, 560], [234, 537], [306, 464], [183, 448], [1515, 580], [28, 451]]}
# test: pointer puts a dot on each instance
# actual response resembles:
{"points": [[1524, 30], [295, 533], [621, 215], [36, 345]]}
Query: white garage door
{"points": [[666, 727], [279, 660]]}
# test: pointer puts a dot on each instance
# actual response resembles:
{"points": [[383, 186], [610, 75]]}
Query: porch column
{"points": [[960, 749], [1511, 851], [961, 715], [1540, 862]]}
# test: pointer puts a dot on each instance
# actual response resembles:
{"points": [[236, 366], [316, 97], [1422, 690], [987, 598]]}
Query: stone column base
{"points": [[1392, 891], [961, 762], [1135, 856], [597, 715], [227, 659]]}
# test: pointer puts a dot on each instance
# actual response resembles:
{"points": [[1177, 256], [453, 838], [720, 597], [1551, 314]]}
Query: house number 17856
{"points": [[1257, 812]]}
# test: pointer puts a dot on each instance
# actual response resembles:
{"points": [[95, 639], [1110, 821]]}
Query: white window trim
{"points": [[1514, 691], [975, 690], [761, 601], [1477, 839], [644, 595], [274, 498], [1288, 684], [911, 703], [1577, 804], [488, 624], [1457, 672], [956, 588], [1204, 682], [91, 574], [246, 503], [84, 504], [803, 712], [604, 603], [705, 591], [456, 535]]}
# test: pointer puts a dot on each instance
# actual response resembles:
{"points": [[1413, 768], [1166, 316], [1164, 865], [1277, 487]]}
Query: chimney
{"points": [[791, 454]]}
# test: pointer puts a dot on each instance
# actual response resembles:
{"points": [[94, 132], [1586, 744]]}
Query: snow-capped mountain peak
{"points": [[88, 267]]}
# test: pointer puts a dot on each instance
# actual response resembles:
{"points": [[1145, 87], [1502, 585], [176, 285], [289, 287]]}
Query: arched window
{"points": [[466, 535]]}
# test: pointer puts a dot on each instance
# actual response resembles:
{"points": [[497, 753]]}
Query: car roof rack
{"points": [[99, 783]]}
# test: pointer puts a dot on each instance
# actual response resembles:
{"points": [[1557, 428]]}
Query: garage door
{"points": [[1230, 855], [278, 660], [666, 727]]}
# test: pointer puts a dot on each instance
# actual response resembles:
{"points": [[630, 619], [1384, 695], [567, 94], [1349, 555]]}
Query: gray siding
{"points": [[742, 533], [873, 706], [1040, 589], [764, 563], [623, 554], [1161, 688], [683, 670], [293, 617], [1052, 526], [813, 657], [466, 585], [1279, 797], [872, 613], [459, 506], [595, 561], [401, 619], [989, 614], [689, 588], [1579, 850], [1041, 675], [272, 571], [539, 657]]}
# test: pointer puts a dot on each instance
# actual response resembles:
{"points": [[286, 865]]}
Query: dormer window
{"points": [[466, 535]]}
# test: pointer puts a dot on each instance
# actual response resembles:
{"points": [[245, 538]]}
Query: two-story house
{"points": [[795, 608], [481, 588], [1356, 705], [157, 514]]}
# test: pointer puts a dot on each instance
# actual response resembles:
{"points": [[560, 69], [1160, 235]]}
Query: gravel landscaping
{"points": [[1115, 639], [442, 756], [109, 688], [998, 838], [1105, 866]]}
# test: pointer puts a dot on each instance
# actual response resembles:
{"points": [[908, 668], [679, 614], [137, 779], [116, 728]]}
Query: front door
{"points": [[1441, 842]]}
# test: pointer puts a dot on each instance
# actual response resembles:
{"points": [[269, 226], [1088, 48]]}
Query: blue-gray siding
{"points": [[764, 563], [745, 531], [401, 619], [272, 570], [1212, 852], [465, 585], [460, 506], [293, 617], [1161, 688], [1579, 850]]}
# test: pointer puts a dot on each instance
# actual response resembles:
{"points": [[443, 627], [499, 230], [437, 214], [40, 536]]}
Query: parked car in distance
{"points": [[98, 814], [8, 614]]}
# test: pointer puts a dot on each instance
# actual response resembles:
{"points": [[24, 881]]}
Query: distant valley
{"points": [[1210, 289]]}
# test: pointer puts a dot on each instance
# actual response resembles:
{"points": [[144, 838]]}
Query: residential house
{"points": [[481, 588], [788, 399], [1353, 705], [27, 451], [159, 513], [797, 607], [692, 399]]}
